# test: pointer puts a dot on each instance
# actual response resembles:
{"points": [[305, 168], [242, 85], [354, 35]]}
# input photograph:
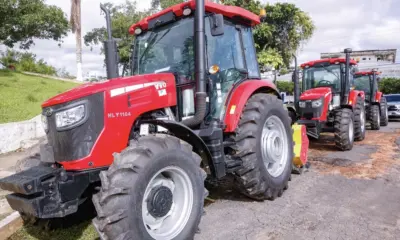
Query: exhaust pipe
{"points": [[296, 85], [346, 83], [110, 48], [373, 85], [200, 66]]}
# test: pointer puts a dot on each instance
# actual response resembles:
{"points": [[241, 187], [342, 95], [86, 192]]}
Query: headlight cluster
{"points": [[314, 103], [70, 116]]}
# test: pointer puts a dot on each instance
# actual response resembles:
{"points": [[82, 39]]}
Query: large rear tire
{"points": [[264, 144], [384, 112], [153, 190], [344, 129], [359, 120], [375, 117]]}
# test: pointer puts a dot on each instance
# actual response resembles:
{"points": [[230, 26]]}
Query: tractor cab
{"points": [[367, 82], [323, 79], [165, 43], [376, 105]]}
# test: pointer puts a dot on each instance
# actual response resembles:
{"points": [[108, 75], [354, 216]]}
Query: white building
{"points": [[382, 60]]}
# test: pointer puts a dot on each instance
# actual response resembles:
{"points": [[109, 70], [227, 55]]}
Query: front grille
{"points": [[309, 112], [393, 108], [77, 143]]}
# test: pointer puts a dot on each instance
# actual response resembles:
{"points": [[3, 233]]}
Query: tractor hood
{"points": [[315, 93], [92, 88]]}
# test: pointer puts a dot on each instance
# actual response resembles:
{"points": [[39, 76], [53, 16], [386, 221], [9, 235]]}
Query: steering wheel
{"points": [[324, 83]]}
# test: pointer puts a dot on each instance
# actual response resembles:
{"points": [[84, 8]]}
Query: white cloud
{"points": [[359, 24]]}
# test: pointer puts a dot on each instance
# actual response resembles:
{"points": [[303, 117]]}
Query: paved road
{"points": [[353, 195]]}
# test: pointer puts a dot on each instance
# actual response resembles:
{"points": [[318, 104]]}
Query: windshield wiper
{"points": [[330, 71], [152, 43]]}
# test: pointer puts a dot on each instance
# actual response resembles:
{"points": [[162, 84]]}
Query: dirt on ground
{"points": [[368, 159]]}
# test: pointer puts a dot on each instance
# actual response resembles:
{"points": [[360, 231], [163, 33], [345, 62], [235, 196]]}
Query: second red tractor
{"points": [[376, 105], [327, 101]]}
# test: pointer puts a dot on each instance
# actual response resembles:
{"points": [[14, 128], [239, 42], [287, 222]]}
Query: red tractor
{"points": [[328, 102], [376, 105], [143, 145]]}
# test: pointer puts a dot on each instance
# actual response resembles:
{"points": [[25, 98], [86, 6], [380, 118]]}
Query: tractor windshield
{"points": [[362, 83], [322, 76], [165, 49]]}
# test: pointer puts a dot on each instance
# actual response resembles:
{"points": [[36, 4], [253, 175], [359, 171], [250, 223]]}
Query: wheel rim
{"points": [[362, 121], [351, 131], [274, 145], [167, 203]]}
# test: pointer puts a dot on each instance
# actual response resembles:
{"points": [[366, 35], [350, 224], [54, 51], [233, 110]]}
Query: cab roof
{"points": [[228, 11], [367, 73], [327, 60]]}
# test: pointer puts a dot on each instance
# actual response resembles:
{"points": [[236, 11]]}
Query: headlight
{"points": [[302, 104], [316, 103], [45, 123], [70, 116]]}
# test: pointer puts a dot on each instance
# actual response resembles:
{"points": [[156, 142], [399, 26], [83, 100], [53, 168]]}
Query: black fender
{"points": [[188, 135]]}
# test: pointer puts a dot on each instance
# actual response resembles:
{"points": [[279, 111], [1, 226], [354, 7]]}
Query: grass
{"points": [[83, 231], [21, 95]]}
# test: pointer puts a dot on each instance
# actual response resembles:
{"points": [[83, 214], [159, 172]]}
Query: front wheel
{"points": [[344, 129], [359, 120], [153, 190], [384, 112], [375, 117], [264, 144]]}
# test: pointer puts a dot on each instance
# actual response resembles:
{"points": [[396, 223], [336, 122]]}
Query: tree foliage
{"points": [[390, 85], [284, 86], [122, 17], [286, 27], [25, 61], [23, 20]]}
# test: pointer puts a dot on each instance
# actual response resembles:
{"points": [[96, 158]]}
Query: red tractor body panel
{"points": [[317, 93], [353, 97], [239, 97], [378, 96], [227, 11], [327, 60], [125, 100]]}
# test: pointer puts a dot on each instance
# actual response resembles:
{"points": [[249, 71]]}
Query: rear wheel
{"points": [[344, 129], [153, 190], [359, 120], [384, 112], [264, 144], [375, 117]]}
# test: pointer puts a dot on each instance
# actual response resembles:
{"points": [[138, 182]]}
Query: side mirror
{"points": [[217, 25]]}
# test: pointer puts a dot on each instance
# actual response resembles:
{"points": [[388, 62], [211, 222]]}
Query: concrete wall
{"points": [[18, 135]]}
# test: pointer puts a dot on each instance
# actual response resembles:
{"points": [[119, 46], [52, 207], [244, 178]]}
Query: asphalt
{"points": [[344, 195]]}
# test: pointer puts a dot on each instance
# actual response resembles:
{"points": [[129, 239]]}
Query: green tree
{"points": [[122, 17], [281, 34], [284, 86], [156, 4], [21, 21], [76, 27], [25, 61], [390, 85]]}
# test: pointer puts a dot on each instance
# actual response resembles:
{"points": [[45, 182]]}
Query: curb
{"points": [[9, 225]]}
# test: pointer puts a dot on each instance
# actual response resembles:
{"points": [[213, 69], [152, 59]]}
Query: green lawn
{"points": [[21, 95], [83, 231]]}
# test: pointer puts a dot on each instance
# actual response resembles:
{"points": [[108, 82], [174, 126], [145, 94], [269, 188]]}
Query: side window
{"points": [[251, 57]]}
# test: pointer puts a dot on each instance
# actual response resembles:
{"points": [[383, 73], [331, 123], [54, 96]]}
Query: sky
{"points": [[358, 24]]}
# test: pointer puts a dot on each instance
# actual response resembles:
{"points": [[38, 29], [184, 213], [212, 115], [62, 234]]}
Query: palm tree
{"points": [[75, 22]]}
